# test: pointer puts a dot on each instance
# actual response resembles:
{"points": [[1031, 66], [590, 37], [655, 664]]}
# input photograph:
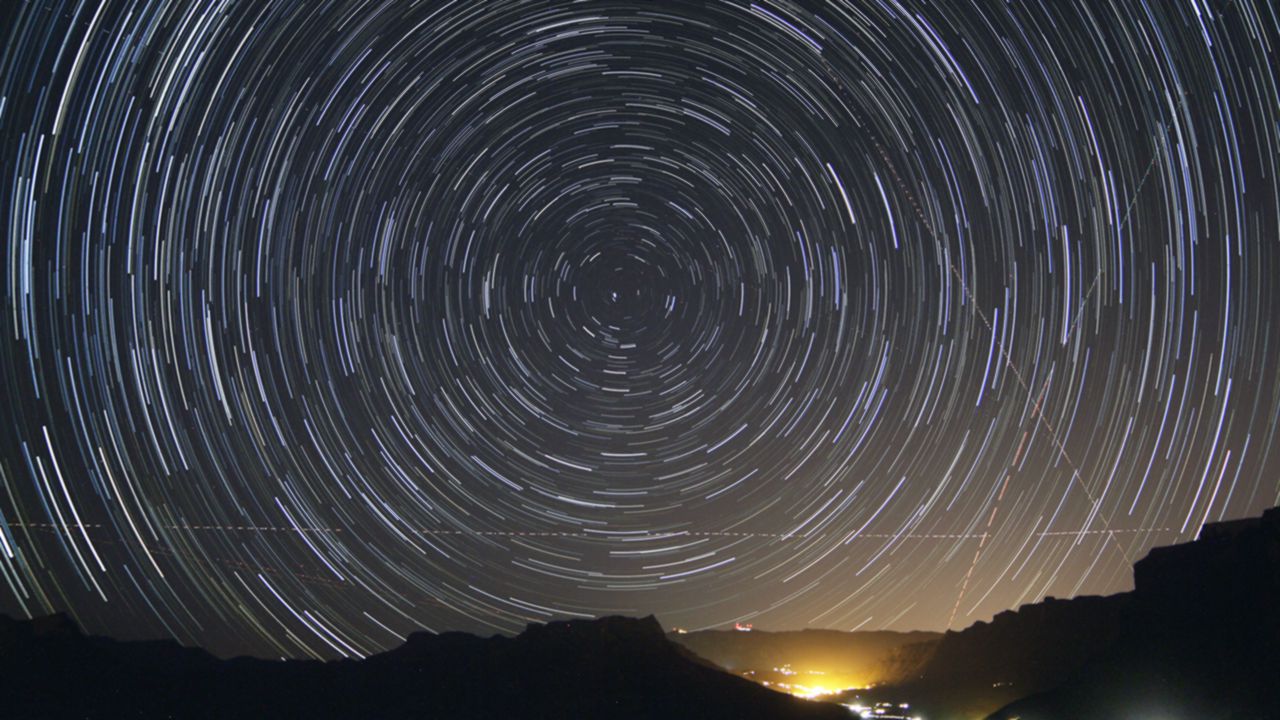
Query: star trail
{"points": [[325, 322]]}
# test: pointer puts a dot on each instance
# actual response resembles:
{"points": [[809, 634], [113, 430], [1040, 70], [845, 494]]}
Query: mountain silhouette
{"points": [[612, 667], [973, 672], [1199, 636]]}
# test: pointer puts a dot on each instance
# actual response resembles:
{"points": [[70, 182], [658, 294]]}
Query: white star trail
{"points": [[328, 321]]}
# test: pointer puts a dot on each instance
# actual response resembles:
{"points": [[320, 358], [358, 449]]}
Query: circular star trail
{"points": [[327, 321]]}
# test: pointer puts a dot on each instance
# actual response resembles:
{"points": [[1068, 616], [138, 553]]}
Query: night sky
{"points": [[325, 322]]}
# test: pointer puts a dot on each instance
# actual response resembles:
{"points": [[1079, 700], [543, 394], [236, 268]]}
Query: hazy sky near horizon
{"points": [[328, 321]]}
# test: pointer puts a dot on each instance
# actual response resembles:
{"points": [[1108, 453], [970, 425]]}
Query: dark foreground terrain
{"points": [[607, 668], [1199, 637]]}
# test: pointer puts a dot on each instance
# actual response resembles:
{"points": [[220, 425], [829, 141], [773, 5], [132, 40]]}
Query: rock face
{"points": [[611, 667], [1202, 638], [1198, 637]]}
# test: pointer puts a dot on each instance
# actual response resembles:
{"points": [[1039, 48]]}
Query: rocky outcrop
{"points": [[1202, 638], [612, 667], [1199, 636]]}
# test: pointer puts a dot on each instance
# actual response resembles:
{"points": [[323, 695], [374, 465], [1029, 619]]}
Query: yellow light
{"points": [[815, 691], [810, 692]]}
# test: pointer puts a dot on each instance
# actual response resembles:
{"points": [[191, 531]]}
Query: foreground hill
{"points": [[813, 658], [973, 672], [1198, 637], [612, 667], [1201, 637]]}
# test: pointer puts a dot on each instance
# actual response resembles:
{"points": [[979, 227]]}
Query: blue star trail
{"points": [[329, 321]]}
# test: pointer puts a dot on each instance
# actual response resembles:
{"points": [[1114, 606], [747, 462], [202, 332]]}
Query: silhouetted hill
{"points": [[1201, 639], [1198, 637], [844, 659], [975, 671], [607, 668]]}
